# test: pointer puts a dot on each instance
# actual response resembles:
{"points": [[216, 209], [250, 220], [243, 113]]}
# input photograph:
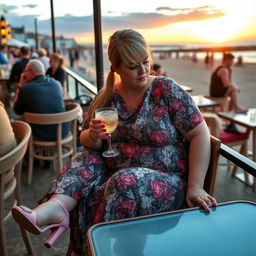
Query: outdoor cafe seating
{"points": [[53, 150], [10, 182], [230, 139]]}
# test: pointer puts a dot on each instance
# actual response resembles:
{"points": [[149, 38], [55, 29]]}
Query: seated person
{"points": [[42, 56], [3, 55], [56, 70], [7, 138], [157, 68], [221, 84], [38, 93], [20, 65], [164, 152]]}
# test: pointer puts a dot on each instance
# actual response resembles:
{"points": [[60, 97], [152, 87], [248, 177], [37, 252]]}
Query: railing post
{"points": [[76, 86], [98, 43], [53, 28]]}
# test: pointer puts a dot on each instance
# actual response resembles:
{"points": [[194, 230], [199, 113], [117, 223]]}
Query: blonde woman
{"points": [[155, 170], [56, 70]]}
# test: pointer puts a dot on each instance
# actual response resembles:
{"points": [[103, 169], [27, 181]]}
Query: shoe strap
{"points": [[64, 207]]}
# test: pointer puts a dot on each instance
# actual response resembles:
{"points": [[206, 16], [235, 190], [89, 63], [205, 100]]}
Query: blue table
{"points": [[229, 229]]}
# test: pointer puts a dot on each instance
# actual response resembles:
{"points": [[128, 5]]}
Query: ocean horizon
{"points": [[248, 56]]}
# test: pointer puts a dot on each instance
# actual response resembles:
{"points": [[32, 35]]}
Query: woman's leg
{"points": [[141, 191], [74, 182], [51, 212]]}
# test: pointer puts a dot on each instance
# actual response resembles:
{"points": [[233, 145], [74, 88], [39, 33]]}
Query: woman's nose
{"points": [[142, 68]]}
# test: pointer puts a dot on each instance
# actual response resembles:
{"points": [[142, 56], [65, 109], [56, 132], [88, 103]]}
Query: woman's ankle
{"points": [[49, 213]]}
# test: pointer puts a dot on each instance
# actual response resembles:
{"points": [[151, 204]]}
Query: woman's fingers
{"points": [[97, 129], [202, 201]]}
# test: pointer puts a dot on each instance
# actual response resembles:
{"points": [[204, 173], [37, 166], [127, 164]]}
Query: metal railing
{"points": [[77, 86], [240, 160]]}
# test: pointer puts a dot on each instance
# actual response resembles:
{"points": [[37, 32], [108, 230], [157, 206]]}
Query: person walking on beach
{"points": [[221, 84], [164, 151]]}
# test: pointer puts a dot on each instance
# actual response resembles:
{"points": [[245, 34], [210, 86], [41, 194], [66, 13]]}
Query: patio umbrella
{"points": [[16, 43]]}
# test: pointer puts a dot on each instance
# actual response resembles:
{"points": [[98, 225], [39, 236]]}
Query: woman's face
{"points": [[135, 74], [54, 63]]}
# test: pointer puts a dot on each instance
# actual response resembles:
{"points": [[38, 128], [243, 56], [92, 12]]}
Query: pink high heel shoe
{"points": [[26, 218]]}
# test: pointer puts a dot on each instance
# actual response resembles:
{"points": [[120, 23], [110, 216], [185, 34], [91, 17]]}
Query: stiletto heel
{"points": [[26, 218], [56, 232]]}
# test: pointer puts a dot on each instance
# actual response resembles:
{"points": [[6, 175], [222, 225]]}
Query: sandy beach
{"points": [[194, 75], [197, 76]]}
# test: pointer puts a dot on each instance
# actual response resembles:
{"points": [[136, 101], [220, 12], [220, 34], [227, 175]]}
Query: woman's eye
{"points": [[145, 62], [132, 67]]}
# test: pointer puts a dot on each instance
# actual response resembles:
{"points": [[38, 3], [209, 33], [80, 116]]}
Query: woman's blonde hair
{"points": [[57, 57], [125, 46]]}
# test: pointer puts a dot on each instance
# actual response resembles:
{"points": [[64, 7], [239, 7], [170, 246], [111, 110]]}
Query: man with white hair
{"points": [[38, 93]]}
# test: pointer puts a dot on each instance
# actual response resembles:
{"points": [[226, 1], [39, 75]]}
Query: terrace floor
{"points": [[227, 189]]}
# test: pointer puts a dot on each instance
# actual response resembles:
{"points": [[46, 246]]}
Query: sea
{"points": [[247, 56]]}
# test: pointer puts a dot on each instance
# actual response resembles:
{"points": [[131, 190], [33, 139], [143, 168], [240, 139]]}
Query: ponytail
{"points": [[103, 99]]}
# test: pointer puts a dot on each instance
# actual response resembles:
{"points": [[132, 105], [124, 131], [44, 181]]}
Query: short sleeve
{"points": [[182, 109]]}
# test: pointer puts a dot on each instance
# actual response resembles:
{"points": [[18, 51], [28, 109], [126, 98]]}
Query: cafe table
{"points": [[229, 229], [205, 103], [186, 88], [247, 120]]}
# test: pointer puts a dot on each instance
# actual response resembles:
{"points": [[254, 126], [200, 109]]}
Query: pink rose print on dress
{"points": [[177, 106], [159, 113], [127, 206], [195, 119], [159, 168], [160, 189], [158, 90], [182, 165], [63, 170], [126, 179], [159, 137], [85, 175], [144, 150], [130, 149], [77, 195], [93, 159]]}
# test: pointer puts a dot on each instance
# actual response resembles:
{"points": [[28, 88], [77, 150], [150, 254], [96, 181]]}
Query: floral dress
{"points": [[150, 173]]}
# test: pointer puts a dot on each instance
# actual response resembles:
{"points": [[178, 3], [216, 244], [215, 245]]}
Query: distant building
{"points": [[19, 34], [44, 41]]}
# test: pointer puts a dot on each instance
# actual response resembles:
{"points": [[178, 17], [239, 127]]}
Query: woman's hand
{"points": [[196, 196], [97, 130], [23, 79]]}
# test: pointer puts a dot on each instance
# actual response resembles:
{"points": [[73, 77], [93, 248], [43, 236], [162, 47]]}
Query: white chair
{"points": [[10, 175], [53, 150]]}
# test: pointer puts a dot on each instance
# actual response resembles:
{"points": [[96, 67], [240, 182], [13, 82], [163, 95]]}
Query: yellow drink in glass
{"points": [[109, 117]]}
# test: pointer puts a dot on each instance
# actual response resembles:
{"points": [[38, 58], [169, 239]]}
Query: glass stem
{"points": [[109, 144]]}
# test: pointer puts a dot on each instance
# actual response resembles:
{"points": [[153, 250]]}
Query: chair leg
{"points": [[30, 162], [3, 249], [17, 196], [27, 241], [241, 151]]}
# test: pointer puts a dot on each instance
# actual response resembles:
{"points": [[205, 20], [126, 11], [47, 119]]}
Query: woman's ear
{"points": [[114, 68]]}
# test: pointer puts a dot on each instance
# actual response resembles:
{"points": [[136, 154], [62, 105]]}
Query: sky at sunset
{"points": [[161, 21]]}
